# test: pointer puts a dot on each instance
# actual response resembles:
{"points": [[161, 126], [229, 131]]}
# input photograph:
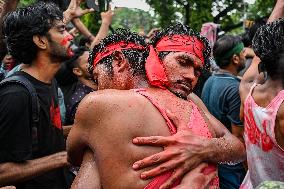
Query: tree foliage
{"points": [[228, 13]]}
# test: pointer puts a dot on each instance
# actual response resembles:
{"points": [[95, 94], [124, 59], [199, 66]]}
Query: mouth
{"points": [[70, 52], [185, 86]]}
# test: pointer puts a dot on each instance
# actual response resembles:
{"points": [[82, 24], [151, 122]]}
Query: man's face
{"points": [[182, 70], [59, 42], [83, 64], [242, 60]]}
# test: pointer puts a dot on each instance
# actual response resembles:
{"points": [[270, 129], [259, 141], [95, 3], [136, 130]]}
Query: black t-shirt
{"points": [[15, 129]]}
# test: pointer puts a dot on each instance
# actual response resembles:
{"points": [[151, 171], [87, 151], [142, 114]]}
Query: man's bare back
{"points": [[107, 121]]}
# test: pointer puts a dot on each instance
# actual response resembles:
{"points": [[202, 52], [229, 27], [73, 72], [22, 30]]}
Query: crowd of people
{"points": [[122, 110]]}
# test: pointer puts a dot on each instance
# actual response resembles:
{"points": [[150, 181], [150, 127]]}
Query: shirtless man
{"points": [[114, 60]]}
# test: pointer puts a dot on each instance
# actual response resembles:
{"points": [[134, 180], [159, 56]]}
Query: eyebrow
{"points": [[189, 58], [60, 26]]}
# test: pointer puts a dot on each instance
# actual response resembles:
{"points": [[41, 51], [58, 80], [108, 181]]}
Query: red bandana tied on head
{"points": [[115, 47], [177, 43]]}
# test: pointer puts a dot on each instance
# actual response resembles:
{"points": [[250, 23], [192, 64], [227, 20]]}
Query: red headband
{"points": [[115, 47], [179, 43]]}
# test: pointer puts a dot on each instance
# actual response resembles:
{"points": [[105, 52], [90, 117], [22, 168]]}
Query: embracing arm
{"points": [[184, 151], [224, 147], [88, 176], [11, 173]]}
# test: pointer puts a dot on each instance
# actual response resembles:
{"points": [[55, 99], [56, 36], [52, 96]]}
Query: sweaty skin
{"points": [[105, 123]]}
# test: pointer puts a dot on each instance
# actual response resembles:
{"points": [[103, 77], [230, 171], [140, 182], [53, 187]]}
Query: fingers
{"points": [[153, 140], [210, 177], [165, 167], [178, 174], [86, 11], [154, 159], [200, 167]]}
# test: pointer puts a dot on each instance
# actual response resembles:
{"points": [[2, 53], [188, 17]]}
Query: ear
{"points": [[77, 71], [40, 41], [235, 59], [120, 61]]}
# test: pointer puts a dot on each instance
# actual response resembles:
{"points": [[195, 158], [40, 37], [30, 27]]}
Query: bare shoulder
{"points": [[98, 105], [196, 100]]}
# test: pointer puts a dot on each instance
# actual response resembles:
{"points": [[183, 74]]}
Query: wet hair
{"points": [[21, 25], [268, 44], [222, 46], [135, 57], [180, 29]]}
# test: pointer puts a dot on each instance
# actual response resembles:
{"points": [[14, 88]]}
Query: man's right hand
{"points": [[107, 16], [195, 179]]}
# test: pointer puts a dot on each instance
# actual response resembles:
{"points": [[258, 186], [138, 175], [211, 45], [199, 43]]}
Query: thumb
{"points": [[86, 11]]}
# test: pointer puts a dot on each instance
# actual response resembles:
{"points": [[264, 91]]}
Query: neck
{"points": [[140, 81], [88, 83], [230, 69], [42, 69]]}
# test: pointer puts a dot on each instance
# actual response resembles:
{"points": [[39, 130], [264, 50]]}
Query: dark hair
{"points": [[222, 46], [268, 44], [135, 57], [181, 29], [21, 25]]}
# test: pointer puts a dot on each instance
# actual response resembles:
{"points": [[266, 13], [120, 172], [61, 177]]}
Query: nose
{"points": [[66, 39], [189, 74], [69, 37]]}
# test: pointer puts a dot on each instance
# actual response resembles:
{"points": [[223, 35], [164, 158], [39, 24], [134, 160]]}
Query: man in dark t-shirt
{"points": [[29, 159], [221, 96]]}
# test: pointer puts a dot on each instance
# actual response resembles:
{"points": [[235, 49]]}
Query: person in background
{"points": [[262, 106], [221, 96], [77, 65], [34, 153]]}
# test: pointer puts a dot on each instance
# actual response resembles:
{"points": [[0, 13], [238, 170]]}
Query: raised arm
{"points": [[74, 11], [103, 31], [12, 173]]}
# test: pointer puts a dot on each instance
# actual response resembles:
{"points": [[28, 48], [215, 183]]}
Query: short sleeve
{"points": [[234, 102], [15, 133]]}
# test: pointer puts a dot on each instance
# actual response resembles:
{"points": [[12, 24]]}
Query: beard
{"points": [[58, 53]]}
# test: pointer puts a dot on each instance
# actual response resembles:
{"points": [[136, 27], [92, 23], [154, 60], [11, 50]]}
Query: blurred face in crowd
{"points": [[242, 60], [81, 69]]}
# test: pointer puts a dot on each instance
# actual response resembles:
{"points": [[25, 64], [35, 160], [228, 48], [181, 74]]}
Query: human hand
{"points": [[75, 10], [107, 16], [8, 187], [196, 179], [2, 2], [183, 151], [8, 62]]}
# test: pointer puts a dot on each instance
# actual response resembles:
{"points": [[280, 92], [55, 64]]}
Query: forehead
{"points": [[57, 24], [84, 57]]}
